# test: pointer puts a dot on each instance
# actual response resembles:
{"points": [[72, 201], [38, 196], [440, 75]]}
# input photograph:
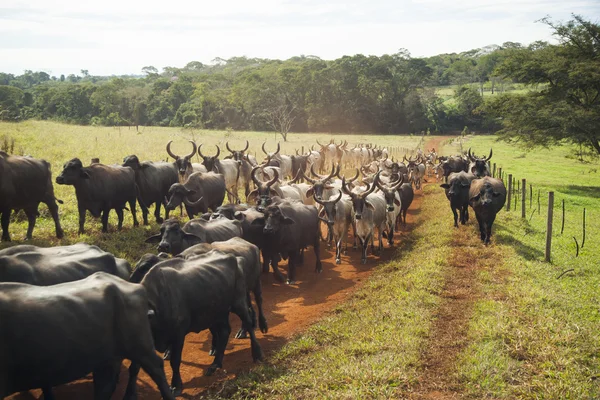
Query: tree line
{"points": [[393, 93]]}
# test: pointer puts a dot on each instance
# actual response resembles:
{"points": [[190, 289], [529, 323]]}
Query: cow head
{"points": [[330, 212], [144, 265], [209, 161], [454, 187], [359, 200], [389, 193], [238, 155], [134, 163], [273, 221], [271, 155], [263, 192], [72, 173], [486, 195], [479, 165], [172, 239], [183, 164], [178, 194], [320, 184]]}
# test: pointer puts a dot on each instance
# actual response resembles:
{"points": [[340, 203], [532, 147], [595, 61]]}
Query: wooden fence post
{"points": [[538, 201], [583, 240], [523, 196], [494, 171], [500, 173], [530, 195], [549, 225], [562, 225], [509, 192]]}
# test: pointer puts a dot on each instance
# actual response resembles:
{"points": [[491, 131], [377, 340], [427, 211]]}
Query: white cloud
{"points": [[118, 37]]}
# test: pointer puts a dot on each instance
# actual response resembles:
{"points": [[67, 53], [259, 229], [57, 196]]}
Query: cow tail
{"points": [[59, 201]]}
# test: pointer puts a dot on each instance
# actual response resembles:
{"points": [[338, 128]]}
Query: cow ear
{"points": [[239, 216], [85, 174], [154, 239], [191, 238], [258, 221], [473, 170], [465, 185], [252, 197], [475, 198], [496, 194], [369, 205], [287, 221], [397, 202], [445, 186], [309, 193]]}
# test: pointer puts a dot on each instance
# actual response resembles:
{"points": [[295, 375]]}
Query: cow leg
{"points": [[105, 380], [291, 280], [144, 213], [262, 320], [154, 367], [265, 262], [119, 212], [48, 393], [5, 221], [391, 234], [338, 251], [31, 213], [224, 330], [105, 220], [455, 217], [404, 213], [354, 245], [240, 308], [81, 210], [466, 214], [317, 250], [214, 333], [241, 333], [176, 350], [481, 226], [157, 216], [365, 245], [134, 212], [380, 249], [53, 208], [274, 261], [488, 226], [131, 391]]}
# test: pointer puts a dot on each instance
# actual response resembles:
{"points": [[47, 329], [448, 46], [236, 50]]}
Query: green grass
{"points": [[446, 93], [370, 347], [533, 335], [58, 143]]}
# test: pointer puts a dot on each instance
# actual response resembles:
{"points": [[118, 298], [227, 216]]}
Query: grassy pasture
{"points": [[58, 143], [533, 335]]}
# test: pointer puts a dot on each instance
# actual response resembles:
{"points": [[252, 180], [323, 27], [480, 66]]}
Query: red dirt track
{"points": [[289, 310]]}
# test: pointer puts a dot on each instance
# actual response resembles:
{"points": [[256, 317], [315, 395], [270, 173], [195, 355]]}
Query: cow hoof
{"points": [[363, 261], [60, 234], [338, 261], [167, 355], [289, 282], [262, 323], [212, 352], [176, 391], [211, 370], [279, 278], [241, 334]]}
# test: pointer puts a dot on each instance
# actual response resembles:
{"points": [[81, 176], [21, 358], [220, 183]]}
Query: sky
{"points": [[116, 37]]}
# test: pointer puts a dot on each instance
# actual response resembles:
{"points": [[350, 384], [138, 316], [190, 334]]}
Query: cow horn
{"points": [[275, 178], [246, 148], [253, 175], [470, 155], [218, 151], [200, 151], [338, 198], [372, 188], [278, 148], [169, 152], [345, 188], [400, 182], [355, 176], [192, 203], [228, 148], [488, 159], [311, 181], [296, 178], [319, 143], [193, 151], [263, 148], [296, 150], [332, 174], [317, 200], [312, 171]]}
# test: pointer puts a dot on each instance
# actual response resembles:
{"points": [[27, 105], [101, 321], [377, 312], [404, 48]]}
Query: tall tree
{"points": [[567, 104]]}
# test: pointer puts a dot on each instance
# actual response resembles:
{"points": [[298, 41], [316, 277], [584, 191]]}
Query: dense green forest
{"points": [[393, 93]]}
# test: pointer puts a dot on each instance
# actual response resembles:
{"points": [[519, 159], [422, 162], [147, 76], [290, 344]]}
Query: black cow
{"points": [[200, 192], [407, 195], [290, 227], [249, 252], [454, 164], [193, 295], [153, 181], [479, 165], [183, 164], [174, 239], [264, 193], [457, 192], [53, 265], [486, 196], [100, 188], [25, 182], [56, 334]]}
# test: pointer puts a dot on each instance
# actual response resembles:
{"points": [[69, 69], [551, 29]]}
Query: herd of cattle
{"points": [[97, 311]]}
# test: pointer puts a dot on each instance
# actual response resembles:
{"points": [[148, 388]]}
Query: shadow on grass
{"points": [[526, 251], [581, 191]]}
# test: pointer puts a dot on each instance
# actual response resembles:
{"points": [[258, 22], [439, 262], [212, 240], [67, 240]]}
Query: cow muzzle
{"points": [[60, 180], [163, 247], [390, 208]]}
